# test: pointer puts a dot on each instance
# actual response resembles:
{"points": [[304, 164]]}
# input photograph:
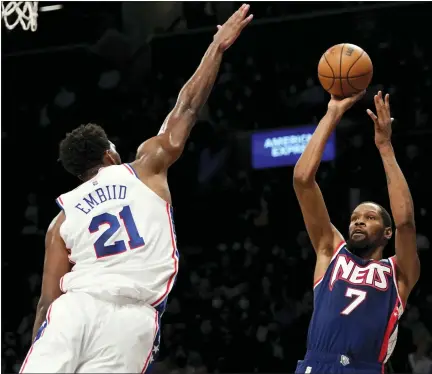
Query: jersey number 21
{"points": [[124, 218]]}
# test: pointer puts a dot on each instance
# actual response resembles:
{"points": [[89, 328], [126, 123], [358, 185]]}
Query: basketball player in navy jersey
{"points": [[358, 296], [104, 315]]}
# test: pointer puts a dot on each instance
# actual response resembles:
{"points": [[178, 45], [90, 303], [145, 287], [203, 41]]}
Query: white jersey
{"points": [[121, 238]]}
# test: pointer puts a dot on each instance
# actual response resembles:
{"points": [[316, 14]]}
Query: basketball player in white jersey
{"points": [[102, 314]]}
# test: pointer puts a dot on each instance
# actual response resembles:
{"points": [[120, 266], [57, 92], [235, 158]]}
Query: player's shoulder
{"points": [[56, 222], [391, 261], [151, 145]]}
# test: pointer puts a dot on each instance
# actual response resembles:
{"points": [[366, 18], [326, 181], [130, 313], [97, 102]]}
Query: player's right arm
{"points": [[323, 235], [56, 265], [158, 153]]}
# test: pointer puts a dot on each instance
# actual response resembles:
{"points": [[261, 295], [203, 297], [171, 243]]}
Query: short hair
{"points": [[387, 220], [83, 149]]}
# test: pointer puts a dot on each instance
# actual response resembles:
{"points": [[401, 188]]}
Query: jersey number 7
{"points": [[125, 215], [358, 297]]}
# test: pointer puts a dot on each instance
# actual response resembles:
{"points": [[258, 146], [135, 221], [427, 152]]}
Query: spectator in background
{"points": [[421, 360], [418, 329], [31, 216]]}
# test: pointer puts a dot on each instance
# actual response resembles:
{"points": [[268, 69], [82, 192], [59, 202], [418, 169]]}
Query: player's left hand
{"points": [[231, 29], [382, 120]]}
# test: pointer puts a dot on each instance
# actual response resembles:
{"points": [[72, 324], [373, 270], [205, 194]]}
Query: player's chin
{"points": [[358, 242]]}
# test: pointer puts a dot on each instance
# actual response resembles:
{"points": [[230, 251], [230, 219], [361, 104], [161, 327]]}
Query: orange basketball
{"points": [[345, 69]]}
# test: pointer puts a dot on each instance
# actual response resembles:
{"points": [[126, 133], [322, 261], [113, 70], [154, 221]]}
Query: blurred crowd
{"points": [[243, 298]]}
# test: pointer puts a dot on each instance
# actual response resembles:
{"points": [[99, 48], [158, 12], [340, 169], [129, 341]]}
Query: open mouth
{"points": [[358, 233]]}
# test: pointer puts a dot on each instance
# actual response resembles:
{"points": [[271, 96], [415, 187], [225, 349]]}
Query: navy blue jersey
{"points": [[356, 308]]}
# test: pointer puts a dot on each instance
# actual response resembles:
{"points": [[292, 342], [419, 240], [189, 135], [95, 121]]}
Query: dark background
{"points": [[243, 298]]}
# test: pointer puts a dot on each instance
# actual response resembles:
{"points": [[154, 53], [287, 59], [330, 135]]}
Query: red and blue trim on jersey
{"points": [[335, 253], [160, 303], [154, 349], [393, 263], [39, 335], [392, 324], [59, 202], [130, 169], [391, 328]]}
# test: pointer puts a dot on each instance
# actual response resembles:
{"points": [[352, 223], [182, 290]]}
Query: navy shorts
{"points": [[318, 362]]}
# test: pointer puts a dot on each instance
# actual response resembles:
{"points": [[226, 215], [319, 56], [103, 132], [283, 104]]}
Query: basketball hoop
{"points": [[22, 12]]}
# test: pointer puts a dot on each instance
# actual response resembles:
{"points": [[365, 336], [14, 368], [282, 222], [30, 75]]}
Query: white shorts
{"points": [[84, 334]]}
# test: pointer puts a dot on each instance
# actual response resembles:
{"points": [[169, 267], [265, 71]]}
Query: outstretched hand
{"points": [[341, 105], [383, 120], [231, 29]]}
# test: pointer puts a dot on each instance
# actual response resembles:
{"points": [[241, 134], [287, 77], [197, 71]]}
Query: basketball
{"points": [[345, 69]]}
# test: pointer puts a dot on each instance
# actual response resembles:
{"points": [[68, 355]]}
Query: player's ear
{"points": [[388, 233], [108, 158]]}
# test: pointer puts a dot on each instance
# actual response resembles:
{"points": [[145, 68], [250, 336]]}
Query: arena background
{"points": [[243, 298]]}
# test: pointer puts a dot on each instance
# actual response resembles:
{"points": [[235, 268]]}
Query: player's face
{"points": [[366, 229]]}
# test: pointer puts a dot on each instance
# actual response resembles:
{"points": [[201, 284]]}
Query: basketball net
{"points": [[24, 13]]}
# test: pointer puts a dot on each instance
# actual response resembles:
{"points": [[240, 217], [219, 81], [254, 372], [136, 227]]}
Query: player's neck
{"points": [[91, 173]]}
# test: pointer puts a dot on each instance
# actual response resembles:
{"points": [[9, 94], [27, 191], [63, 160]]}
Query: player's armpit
{"points": [[323, 235], [407, 260], [56, 265]]}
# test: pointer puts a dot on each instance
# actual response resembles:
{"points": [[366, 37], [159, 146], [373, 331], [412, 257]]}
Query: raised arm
{"points": [[158, 153], [401, 202], [56, 265], [323, 234]]}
